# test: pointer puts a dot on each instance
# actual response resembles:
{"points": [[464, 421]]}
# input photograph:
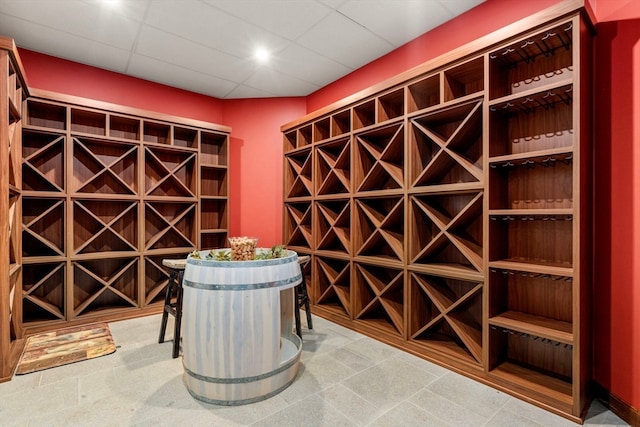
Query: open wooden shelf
{"points": [[124, 127], [298, 174], [185, 137], [213, 213], [43, 167], [43, 227], [170, 173], [213, 181], [159, 133], [46, 115], [333, 167], [379, 159], [378, 230], [104, 167], [43, 292], [298, 225], [214, 150], [446, 146], [332, 277], [446, 310], [449, 212], [88, 121], [105, 226], [378, 296], [104, 283], [446, 229], [464, 79], [423, 93], [537, 60], [170, 225], [333, 225]]}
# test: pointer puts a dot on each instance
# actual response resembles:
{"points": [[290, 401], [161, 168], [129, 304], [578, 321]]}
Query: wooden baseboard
{"points": [[628, 413]]}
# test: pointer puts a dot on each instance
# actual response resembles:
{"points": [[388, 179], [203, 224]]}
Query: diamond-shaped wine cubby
{"points": [[105, 167], [156, 277], [105, 226], [332, 288], [169, 173], [379, 163], [333, 167], [298, 225], [446, 232], [446, 146], [298, 174], [378, 297], [43, 227], [378, 229], [333, 225], [446, 315], [170, 225], [104, 284], [43, 162], [43, 292]]}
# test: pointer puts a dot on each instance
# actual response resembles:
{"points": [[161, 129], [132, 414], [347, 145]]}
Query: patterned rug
{"points": [[69, 345]]}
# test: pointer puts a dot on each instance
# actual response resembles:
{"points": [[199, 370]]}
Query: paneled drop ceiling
{"points": [[207, 46]]}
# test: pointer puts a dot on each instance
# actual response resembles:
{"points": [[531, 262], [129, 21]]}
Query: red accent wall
{"points": [[71, 78], [256, 151], [256, 198], [617, 199]]}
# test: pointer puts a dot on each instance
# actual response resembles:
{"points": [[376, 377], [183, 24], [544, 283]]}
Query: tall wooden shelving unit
{"points": [[447, 210], [12, 90], [108, 192]]}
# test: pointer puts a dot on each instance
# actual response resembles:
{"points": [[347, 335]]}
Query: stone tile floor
{"points": [[346, 379]]}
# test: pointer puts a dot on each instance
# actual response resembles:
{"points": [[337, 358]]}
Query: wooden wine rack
{"points": [[107, 195], [13, 89], [447, 209]]}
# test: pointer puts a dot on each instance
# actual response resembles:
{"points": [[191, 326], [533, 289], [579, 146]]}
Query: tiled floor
{"points": [[346, 379]]}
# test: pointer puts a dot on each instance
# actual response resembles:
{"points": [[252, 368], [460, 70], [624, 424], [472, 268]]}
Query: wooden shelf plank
{"points": [[539, 326], [531, 267], [528, 379]]}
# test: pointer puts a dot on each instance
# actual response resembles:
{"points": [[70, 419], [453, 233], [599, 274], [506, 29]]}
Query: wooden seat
{"points": [[302, 296], [176, 272]]}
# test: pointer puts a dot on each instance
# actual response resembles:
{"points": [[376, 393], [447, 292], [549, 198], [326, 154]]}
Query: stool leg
{"points": [[178, 323], [296, 311], [307, 307], [167, 303]]}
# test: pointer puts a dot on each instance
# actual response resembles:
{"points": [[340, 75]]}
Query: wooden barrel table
{"points": [[238, 343]]}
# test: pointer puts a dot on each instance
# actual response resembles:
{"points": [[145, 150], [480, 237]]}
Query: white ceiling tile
{"points": [[207, 46], [202, 23], [279, 84], [172, 75], [458, 7], [243, 91], [286, 18], [344, 41], [65, 45], [187, 54], [77, 17], [381, 17], [307, 65]]}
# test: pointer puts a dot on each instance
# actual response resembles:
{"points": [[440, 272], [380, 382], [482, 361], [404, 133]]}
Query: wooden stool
{"points": [[302, 296], [176, 272]]}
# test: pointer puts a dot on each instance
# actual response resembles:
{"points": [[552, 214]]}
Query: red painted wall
{"points": [[71, 78], [256, 149], [256, 164], [617, 199]]}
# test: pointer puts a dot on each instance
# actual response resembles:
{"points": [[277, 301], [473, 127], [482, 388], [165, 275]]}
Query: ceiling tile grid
{"points": [[207, 46]]}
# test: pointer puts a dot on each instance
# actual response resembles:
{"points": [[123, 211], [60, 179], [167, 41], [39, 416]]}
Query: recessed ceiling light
{"points": [[111, 3], [261, 55]]}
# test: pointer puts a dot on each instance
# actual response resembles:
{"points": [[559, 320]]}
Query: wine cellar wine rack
{"points": [[13, 90], [447, 210], [107, 195]]}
